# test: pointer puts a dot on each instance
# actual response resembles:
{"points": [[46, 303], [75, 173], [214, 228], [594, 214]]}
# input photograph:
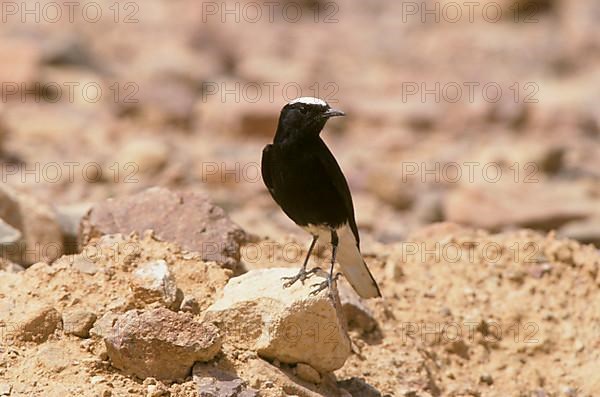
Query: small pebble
{"points": [[446, 312], [97, 379], [487, 379], [5, 389], [308, 373], [155, 391]]}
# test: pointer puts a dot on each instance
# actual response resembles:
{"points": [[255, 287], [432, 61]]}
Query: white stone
{"points": [[285, 324], [153, 282]]}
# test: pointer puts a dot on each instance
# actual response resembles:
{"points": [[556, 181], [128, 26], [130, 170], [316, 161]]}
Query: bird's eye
{"points": [[303, 110]]}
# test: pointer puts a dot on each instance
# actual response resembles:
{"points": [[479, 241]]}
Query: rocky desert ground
{"points": [[142, 254]]}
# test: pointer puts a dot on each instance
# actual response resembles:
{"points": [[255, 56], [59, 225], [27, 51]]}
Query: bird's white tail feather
{"points": [[353, 265]]}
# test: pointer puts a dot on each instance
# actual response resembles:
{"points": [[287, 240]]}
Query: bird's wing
{"points": [[266, 167], [341, 185]]}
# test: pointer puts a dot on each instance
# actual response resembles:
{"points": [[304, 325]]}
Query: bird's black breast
{"points": [[300, 182]]}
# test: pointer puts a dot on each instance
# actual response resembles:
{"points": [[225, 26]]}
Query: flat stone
{"points": [[214, 382], [358, 388], [544, 207]]}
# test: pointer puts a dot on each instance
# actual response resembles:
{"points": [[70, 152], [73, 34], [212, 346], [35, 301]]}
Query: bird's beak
{"points": [[333, 113]]}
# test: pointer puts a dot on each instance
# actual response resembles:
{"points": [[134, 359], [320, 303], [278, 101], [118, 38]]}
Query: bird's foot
{"points": [[302, 275], [324, 285]]}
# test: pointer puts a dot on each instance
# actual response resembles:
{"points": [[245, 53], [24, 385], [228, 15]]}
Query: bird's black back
{"points": [[306, 181]]}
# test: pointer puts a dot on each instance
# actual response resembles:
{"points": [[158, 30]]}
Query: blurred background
{"points": [[483, 113]]}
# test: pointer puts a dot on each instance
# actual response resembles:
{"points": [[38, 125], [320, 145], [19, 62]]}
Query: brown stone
{"points": [[37, 223], [78, 322], [356, 312], [160, 343], [534, 206], [38, 324], [188, 219]]}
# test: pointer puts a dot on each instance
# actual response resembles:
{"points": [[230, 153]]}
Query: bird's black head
{"points": [[303, 117]]}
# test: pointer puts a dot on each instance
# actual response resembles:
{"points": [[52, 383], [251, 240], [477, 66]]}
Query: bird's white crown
{"points": [[308, 100]]}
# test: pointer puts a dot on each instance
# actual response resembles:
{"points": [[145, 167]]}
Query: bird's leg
{"points": [[330, 278], [303, 274]]}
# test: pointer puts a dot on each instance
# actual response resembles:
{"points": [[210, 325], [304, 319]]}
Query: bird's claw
{"points": [[320, 287], [324, 285], [302, 275]]}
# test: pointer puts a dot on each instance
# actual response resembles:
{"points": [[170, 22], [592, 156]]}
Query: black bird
{"points": [[306, 181]]}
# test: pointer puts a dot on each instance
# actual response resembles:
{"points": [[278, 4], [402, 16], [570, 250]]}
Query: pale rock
{"points": [[586, 231], [41, 235], [8, 266], [541, 206], [153, 282], [84, 264], [285, 324], [94, 380], [103, 326], [78, 322], [8, 235], [156, 390], [308, 373], [5, 389]]}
